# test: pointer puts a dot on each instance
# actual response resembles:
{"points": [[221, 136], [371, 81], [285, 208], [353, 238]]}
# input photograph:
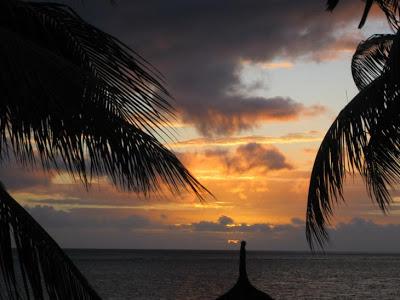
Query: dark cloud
{"points": [[227, 224], [356, 235], [199, 45], [250, 157], [98, 228], [222, 225], [236, 114], [253, 156], [66, 201], [297, 221], [364, 234], [224, 220], [16, 177], [49, 217], [208, 226]]}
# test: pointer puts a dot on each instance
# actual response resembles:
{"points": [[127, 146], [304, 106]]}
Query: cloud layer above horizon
{"points": [[87, 228]]}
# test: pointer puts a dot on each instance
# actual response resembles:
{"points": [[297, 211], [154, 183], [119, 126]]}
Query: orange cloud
{"points": [[255, 156], [269, 65], [345, 44], [292, 138], [245, 113], [245, 162]]}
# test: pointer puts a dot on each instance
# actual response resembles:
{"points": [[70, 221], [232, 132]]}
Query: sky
{"points": [[256, 85]]}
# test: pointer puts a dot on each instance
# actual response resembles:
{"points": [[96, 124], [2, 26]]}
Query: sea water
{"points": [[178, 275]]}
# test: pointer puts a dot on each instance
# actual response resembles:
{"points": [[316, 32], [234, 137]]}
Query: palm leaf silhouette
{"points": [[74, 99], [341, 151], [37, 254], [389, 7], [364, 138], [370, 59]]}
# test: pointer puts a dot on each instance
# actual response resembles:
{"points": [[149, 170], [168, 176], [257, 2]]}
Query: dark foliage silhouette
{"points": [[243, 289], [74, 98], [364, 138], [389, 7]]}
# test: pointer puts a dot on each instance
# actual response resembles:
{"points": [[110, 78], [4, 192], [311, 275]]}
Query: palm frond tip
{"points": [[47, 273], [342, 151], [389, 7]]}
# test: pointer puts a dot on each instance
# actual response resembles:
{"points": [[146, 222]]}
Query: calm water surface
{"points": [[178, 275]]}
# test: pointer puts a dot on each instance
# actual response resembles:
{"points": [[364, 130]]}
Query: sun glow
{"points": [[234, 242]]}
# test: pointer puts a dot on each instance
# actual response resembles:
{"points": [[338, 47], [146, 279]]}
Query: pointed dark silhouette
{"points": [[389, 7], [368, 5], [243, 289], [365, 136], [77, 100]]}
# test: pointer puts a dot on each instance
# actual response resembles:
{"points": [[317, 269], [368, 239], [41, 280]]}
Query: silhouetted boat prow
{"points": [[243, 289]]}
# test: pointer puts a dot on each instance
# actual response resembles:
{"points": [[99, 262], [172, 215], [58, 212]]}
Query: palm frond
{"points": [[74, 98], [342, 151], [382, 170], [85, 134], [389, 7], [331, 4], [382, 153], [370, 59], [392, 66], [47, 273], [138, 93], [364, 138], [368, 5]]}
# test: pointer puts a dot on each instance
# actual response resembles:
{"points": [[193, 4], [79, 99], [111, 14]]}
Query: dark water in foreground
{"points": [[135, 274]]}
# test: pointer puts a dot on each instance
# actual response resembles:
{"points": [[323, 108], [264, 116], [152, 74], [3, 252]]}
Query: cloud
{"points": [[271, 65], [251, 157], [225, 224], [97, 228], [49, 217], [297, 221], [246, 113], [16, 177], [200, 46], [224, 220], [247, 162], [233, 227], [291, 138], [356, 235]]}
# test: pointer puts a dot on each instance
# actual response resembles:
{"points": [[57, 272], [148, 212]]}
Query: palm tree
{"points": [[74, 98], [389, 7], [365, 136]]}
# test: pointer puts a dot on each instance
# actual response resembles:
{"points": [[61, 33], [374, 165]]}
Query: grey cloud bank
{"points": [[97, 228]]}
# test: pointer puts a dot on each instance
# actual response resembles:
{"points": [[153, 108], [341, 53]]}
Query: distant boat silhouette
{"points": [[243, 289]]}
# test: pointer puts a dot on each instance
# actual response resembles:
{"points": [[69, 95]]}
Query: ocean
{"points": [[179, 275]]}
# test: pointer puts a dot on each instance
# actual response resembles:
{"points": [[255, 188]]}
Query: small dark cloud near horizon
{"points": [[224, 220], [227, 224]]}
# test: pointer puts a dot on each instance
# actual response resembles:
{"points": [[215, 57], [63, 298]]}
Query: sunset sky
{"points": [[256, 85]]}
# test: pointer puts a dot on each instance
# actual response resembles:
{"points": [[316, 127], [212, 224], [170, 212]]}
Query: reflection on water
{"points": [[177, 275]]}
